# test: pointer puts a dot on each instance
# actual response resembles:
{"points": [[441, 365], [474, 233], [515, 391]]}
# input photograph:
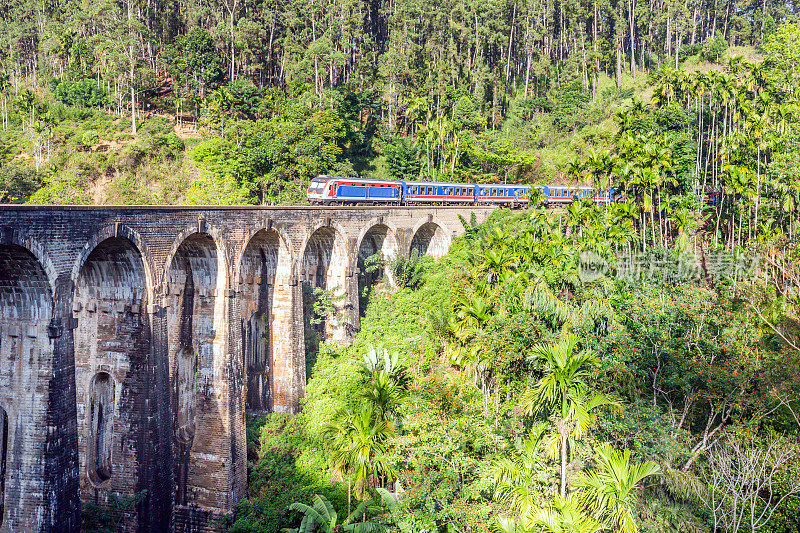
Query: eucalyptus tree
{"points": [[5, 84]]}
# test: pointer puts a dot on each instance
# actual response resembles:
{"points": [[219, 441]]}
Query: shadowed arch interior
{"points": [[430, 239], [324, 264], [113, 370], [265, 266], [192, 290], [26, 307], [371, 266]]}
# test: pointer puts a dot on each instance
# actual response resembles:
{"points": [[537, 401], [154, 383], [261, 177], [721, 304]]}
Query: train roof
{"points": [[449, 184], [363, 180], [440, 183]]}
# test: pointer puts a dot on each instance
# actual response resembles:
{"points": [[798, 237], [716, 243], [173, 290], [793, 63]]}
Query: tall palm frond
{"points": [[610, 488]]}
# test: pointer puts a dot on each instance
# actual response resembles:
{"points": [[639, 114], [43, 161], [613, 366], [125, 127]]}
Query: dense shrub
{"points": [[82, 93], [401, 158], [17, 183], [570, 111], [714, 47]]}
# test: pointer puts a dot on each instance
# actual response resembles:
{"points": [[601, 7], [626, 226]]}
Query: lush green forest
{"points": [[243, 101], [512, 387]]}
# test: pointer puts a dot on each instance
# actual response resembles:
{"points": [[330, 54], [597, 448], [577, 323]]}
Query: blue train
{"points": [[335, 190]]}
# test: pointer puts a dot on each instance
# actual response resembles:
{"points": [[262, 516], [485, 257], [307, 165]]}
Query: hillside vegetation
{"points": [[510, 388], [173, 101]]}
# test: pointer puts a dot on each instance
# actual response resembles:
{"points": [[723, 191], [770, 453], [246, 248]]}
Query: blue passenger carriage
{"points": [[512, 195], [427, 192], [566, 194]]}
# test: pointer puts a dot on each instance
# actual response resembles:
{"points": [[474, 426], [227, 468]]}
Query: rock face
{"points": [[134, 341]]}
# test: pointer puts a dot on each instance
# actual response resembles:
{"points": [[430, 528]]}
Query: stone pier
{"points": [[134, 341]]}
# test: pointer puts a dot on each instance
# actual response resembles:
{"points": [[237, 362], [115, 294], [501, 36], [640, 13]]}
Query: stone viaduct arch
{"points": [[130, 355], [26, 307]]}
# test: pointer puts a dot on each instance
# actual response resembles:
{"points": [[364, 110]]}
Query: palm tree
{"points": [[321, 516], [386, 382], [496, 261], [576, 170], [357, 440], [599, 165], [609, 489], [519, 480], [564, 391], [740, 183], [575, 214], [563, 515], [472, 314]]}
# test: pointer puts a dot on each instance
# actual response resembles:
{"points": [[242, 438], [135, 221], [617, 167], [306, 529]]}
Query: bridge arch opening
{"points": [[323, 285], [193, 294], [113, 375], [429, 239], [26, 306], [378, 247], [101, 427], [263, 287]]}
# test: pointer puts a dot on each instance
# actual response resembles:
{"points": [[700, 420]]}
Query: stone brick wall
{"points": [[133, 341]]}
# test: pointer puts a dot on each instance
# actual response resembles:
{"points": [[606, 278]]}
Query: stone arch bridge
{"points": [[134, 340]]}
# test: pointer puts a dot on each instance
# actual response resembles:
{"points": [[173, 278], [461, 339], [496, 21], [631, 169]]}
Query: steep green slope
{"points": [[688, 356]]}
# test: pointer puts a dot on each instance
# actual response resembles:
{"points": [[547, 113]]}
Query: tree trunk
{"points": [[563, 465], [632, 21]]}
